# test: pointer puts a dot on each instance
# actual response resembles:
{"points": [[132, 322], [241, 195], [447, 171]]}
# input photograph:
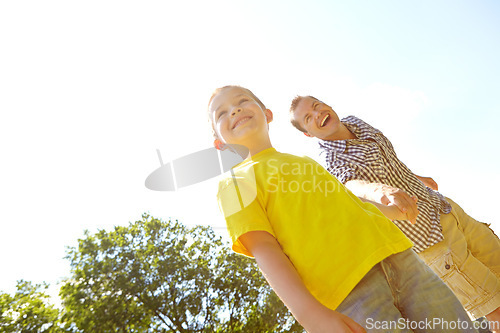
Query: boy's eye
{"points": [[220, 114]]}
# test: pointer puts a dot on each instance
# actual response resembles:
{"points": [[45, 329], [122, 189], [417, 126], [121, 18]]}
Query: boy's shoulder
{"points": [[264, 164], [272, 155], [291, 159]]}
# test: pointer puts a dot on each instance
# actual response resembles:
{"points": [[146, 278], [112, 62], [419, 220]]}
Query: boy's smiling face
{"points": [[238, 118], [317, 119]]}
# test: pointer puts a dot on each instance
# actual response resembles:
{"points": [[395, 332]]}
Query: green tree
{"points": [[28, 310], [156, 276]]}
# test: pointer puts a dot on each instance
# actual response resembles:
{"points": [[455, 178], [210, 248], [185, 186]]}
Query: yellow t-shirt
{"points": [[331, 237]]}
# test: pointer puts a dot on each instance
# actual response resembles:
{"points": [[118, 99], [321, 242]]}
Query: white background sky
{"points": [[89, 90]]}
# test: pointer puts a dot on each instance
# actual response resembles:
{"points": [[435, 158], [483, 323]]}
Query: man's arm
{"points": [[286, 282], [386, 195], [429, 182], [390, 211]]}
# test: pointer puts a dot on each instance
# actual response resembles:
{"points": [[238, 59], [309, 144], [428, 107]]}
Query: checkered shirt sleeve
{"points": [[371, 157]]}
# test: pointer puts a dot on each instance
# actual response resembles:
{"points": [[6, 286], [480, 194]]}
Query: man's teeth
{"points": [[324, 120]]}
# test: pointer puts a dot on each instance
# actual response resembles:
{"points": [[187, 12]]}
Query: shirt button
{"points": [[447, 266]]}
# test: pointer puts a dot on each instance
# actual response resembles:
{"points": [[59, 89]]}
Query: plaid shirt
{"points": [[372, 158]]}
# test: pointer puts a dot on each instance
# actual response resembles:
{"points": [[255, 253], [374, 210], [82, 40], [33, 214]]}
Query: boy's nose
{"points": [[235, 110]]}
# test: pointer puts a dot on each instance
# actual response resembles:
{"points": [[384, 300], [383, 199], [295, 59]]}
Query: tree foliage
{"points": [[28, 310], [156, 276]]}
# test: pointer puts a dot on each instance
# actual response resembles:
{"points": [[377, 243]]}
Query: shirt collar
{"points": [[356, 127], [359, 128], [338, 146]]}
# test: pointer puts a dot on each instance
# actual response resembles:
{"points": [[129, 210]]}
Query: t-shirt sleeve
{"points": [[243, 211]]}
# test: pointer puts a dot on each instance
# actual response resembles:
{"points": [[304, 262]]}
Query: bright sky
{"points": [[89, 90]]}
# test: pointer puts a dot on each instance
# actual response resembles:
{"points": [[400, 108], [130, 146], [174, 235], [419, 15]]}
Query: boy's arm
{"points": [[385, 195], [286, 282]]}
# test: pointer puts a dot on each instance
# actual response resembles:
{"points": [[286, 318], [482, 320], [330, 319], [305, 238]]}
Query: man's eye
{"points": [[243, 100]]}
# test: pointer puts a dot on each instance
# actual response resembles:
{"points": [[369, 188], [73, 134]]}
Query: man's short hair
{"points": [[293, 106]]}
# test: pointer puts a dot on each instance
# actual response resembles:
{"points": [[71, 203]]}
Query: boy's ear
{"points": [[219, 145], [269, 115], [308, 135]]}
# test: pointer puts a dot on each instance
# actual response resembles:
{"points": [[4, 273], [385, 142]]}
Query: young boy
{"points": [[462, 251], [327, 254]]}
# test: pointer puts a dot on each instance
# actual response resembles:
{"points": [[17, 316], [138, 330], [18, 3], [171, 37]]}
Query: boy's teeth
{"points": [[240, 121]]}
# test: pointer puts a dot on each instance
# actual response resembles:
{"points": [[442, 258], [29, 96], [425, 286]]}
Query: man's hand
{"points": [[386, 195], [394, 196], [429, 182]]}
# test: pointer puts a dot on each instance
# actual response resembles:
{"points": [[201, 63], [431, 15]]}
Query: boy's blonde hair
{"points": [[218, 90], [293, 106]]}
